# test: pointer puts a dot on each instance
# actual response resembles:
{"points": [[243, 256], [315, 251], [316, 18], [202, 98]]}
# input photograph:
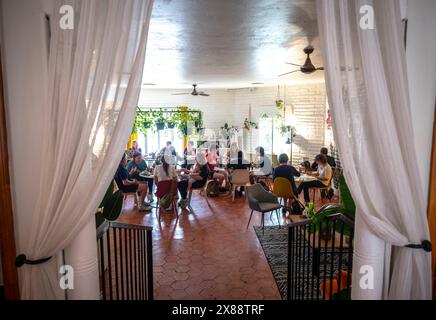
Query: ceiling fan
{"points": [[307, 67], [194, 92]]}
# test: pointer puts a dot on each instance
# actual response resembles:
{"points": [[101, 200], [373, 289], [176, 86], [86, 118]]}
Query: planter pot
{"points": [[147, 125], [171, 125], [196, 124], [160, 125], [326, 234]]}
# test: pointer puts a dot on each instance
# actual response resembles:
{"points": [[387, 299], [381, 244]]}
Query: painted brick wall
{"points": [[231, 106]]}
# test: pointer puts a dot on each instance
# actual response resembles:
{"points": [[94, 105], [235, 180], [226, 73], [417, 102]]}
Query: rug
{"points": [[274, 242]]}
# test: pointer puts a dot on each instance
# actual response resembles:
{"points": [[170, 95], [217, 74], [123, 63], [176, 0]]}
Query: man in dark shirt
{"points": [[128, 185], [284, 170], [330, 160]]}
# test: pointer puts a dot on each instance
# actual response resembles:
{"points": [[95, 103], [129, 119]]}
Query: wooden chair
{"points": [[240, 178], [326, 188]]}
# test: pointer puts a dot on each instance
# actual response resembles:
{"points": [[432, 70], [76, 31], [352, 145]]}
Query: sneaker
{"points": [[150, 197], [183, 203]]}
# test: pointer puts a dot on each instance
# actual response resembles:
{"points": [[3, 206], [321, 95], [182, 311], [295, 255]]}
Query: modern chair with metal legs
{"points": [[262, 201]]}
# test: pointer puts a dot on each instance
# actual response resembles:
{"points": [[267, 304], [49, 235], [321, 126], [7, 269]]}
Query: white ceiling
{"points": [[230, 43]]}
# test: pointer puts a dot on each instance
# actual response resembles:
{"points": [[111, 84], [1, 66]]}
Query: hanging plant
{"points": [[280, 104], [249, 124], [159, 119]]}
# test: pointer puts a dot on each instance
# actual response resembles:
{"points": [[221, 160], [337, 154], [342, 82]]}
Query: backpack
{"points": [[165, 201], [213, 189]]}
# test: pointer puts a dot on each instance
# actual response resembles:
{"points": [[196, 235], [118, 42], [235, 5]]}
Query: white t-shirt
{"points": [[161, 175]]}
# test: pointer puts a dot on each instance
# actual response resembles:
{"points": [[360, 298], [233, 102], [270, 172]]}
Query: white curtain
{"points": [[368, 95], [95, 73]]}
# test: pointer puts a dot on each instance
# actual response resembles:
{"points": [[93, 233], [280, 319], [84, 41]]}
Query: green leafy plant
{"points": [[249, 124], [347, 207], [280, 104], [110, 207]]}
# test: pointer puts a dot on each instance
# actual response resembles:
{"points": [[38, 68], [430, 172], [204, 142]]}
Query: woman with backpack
{"points": [[165, 178]]}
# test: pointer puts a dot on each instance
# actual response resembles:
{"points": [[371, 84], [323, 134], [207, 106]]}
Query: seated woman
{"points": [[134, 149], [128, 185], [164, 172], [212, 160], [287, 171], [196, 178], [263, 164], [135, 167], [323, 174]]}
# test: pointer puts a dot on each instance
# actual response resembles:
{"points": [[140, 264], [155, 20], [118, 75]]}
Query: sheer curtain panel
{"points": [[364, 60], [94, 79]]}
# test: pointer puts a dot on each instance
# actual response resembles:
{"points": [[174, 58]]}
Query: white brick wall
{"points": [[232, 106]]}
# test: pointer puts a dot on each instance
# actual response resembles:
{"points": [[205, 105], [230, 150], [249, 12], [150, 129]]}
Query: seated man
{"points": [[128, 185], [287, 171], [135, 167], [323, 174], [284, 170], [195, 179]]}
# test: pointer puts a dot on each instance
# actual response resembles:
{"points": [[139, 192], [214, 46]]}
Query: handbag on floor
{"points": [[213, 189]]}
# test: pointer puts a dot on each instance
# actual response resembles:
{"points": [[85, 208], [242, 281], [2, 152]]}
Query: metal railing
{"points": [[320, 259], [125, 261]]}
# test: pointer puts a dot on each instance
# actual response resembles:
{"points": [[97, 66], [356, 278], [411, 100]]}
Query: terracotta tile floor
{"points": [[208, 253]]}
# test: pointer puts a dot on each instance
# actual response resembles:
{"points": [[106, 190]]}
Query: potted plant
{"points": [[279, 104], [347, 207], [159, 120], [250, 124], [110, 207]]}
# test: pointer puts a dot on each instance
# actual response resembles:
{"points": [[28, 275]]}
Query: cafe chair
{"points": [[282, 189], [126, 194], [163, 187], [202, 191], [240, 178], [323, 189], [262, 201]]}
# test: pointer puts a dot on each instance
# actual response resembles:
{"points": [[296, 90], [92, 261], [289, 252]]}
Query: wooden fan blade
{"points": [[177, 94], [283, 74], [320, 68], [204, 94], [294, 64]]}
